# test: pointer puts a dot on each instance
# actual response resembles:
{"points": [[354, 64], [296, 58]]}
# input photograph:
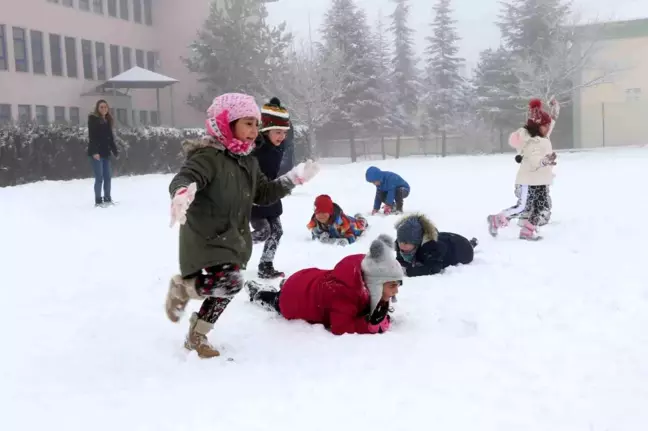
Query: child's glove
{"points": [[303, 172], [379, 321], [549, 159], [341, 242], [182, 198], [554, 108], [387, 210]]}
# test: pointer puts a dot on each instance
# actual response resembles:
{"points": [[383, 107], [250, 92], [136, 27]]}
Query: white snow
{"points": [[548, 336]]}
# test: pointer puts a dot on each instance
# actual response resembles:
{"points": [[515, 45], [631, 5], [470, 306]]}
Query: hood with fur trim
{"points": [[191, 145], [430, 232]]}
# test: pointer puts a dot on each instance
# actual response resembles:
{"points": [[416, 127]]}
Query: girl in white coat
{"points": [[534, 175]]}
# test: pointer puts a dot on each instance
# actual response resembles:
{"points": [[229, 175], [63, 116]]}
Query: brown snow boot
{"points": [[180, 292], [197, 338]]}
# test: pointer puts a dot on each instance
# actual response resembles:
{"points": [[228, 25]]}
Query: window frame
{"points": [[71, 56], [38, 64], [100, 54], [4, 52], [56, 60], [25, 61]]}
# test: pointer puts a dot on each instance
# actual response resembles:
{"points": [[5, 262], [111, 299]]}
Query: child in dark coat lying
{"points": [[330, 225], [423, 250]]}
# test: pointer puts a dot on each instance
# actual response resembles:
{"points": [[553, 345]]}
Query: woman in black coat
{"points": [[422, 250], [101, 144], [266, 220]]}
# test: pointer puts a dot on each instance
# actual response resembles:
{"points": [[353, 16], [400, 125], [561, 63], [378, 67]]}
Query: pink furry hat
{"points": [[223, 111]]}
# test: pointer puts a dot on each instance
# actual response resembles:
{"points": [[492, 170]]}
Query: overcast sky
{"points": [[475, 17]]}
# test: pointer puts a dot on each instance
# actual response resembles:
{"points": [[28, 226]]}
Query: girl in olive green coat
{"points": [[212, 198]]}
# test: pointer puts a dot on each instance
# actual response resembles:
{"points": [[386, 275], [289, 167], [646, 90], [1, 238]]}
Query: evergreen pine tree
{"points": [[403, 78], [358, 109], [445, 85], [236, 50]]}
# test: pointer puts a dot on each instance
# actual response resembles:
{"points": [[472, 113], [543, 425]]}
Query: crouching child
{"points": [[391, 190], [330, 225], [352, 298]]}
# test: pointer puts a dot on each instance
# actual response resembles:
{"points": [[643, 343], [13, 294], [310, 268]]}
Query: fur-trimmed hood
{"points": [[191, 145], [430, 232]]}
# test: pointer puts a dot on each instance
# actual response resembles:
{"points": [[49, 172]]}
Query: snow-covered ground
{"points": [[546, 336]]}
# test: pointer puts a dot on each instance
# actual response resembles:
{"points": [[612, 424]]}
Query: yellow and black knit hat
{"points": [[274, 116]]}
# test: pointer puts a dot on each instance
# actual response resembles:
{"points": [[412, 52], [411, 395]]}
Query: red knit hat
{"points": [[536, 115], [324, 204]]}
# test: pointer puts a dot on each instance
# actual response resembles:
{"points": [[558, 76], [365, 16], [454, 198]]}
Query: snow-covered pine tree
{"points": [[404, 80], [496, 92], [383, 75], [236, 50], [445, 92], [358, 109]]}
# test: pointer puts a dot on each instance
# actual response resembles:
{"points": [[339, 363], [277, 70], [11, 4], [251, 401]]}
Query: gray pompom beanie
{"points": [[380, 266]]}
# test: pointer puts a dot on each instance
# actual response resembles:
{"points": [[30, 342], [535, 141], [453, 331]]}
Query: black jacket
{"points": [[269, 157], [438, 251], [100, 137]]}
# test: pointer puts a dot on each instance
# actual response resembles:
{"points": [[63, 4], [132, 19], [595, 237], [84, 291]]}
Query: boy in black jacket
{"points": [[422, 250], [265, 220]]}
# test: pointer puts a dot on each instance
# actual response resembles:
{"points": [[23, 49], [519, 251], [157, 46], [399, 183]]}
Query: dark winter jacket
{"points": [[217, 230], [269, 157], [389, 182], [336, 298], [101, 139], [437, 251]]}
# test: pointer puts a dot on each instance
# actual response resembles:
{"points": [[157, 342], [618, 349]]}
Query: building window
{"points": [[59, 114], [139, 58], [115, 68], [42, 116], [5, 114], [112, 8], [20, 49], [86, 54], [155, 118], [56, 56], [633, 94], [148, 12], [123, 9], [97, 6], [84, 5], [38, 55], [151, 58], [68, 3], [100, 54], [4, 63], [75, 116], [53, 1], [24, 114], [122, 116], [143, 118], [127, 58], [137, 11], [71, 57]]}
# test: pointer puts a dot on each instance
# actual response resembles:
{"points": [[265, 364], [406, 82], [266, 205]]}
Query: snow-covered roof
{"points": [[138, 77]]}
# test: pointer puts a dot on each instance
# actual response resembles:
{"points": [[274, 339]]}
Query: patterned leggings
{"points": [[219, 284], [270, 231], [534, 201]]}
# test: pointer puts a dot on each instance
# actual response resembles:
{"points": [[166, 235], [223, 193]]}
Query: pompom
{"points": [[535, 104], [275, 101], [518, 159], [386, 239], [377, 249]]}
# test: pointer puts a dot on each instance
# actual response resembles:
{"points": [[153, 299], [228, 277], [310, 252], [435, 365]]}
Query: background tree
{"points": [[236, 50]]}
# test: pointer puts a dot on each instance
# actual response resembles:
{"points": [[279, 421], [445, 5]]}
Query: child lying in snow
{"points": [[330, 225], [351, 298], [423, 250]]}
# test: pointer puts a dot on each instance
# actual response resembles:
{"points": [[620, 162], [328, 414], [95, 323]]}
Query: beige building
{"points": [[615, 112], [55, 53]]}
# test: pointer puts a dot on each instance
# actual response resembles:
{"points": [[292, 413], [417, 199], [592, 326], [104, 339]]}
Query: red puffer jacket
{"points": [[336, 298]]}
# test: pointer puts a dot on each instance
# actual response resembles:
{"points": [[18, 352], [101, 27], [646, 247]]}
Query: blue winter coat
{"points": [[389, 182], [438, 251], [269, 157]]}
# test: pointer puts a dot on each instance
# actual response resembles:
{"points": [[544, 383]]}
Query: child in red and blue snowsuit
{"points": [[330, 225], [391, 190]]}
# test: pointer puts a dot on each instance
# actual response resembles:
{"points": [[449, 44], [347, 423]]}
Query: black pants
{"points": [[401, 194], [218, 284], [270, 231]]}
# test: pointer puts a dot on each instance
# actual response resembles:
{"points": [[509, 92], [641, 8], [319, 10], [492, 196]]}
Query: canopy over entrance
{"points": [[138, 78]]}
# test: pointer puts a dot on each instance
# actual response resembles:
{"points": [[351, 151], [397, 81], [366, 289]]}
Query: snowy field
{"points": [[548, 336]]}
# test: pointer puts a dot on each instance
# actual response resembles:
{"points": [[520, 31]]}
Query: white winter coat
{"points": [[533, 151]]}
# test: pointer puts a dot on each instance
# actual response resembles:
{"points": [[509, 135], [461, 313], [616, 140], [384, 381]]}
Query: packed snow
{"points": [[546, 336]]}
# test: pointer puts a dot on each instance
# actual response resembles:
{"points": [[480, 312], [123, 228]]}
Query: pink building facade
{"points": [[54, 53]]}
